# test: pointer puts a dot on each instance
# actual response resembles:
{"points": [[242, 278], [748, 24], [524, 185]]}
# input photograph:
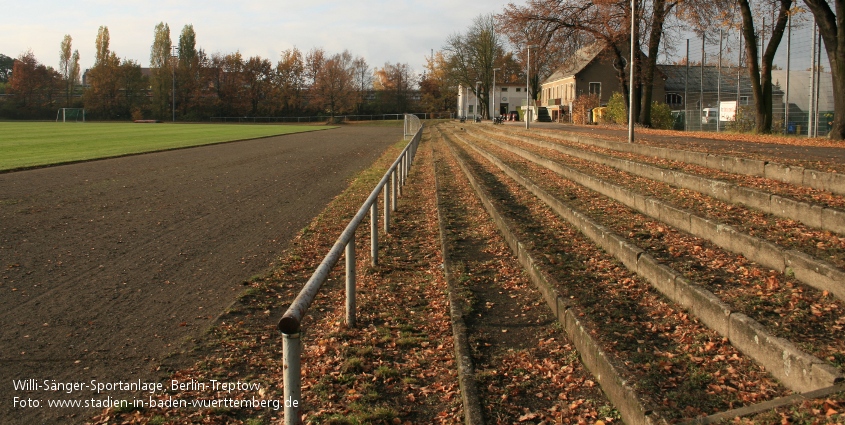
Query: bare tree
{"points": [[473, 55], [363, 80]]}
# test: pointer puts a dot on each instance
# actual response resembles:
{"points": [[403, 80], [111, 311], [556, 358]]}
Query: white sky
{"points": [[402, 31]]}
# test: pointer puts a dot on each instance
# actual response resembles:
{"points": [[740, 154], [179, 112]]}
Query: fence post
{"points": [[400, 168], [292, 356], [350, 282], [374, 233], [386, 190], [393, 182]]}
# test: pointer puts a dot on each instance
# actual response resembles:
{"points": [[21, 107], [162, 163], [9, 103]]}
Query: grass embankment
{"points": [[35, 144]]}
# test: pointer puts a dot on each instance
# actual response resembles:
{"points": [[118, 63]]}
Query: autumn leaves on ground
{"points": [[398, 365]]}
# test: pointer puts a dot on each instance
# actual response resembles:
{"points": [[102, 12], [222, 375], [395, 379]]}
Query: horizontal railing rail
{"points": [[291, 322], [325, 118]]}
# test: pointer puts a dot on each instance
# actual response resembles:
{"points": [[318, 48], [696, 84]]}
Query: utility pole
{"points": [[173, 58], [632, 63]]}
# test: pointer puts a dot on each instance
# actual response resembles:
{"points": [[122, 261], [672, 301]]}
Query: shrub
{"points": [[745, 121], [617, 111], [661, 116]]}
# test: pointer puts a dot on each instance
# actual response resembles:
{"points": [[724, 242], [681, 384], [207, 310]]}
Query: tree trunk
{"points": [[658, 17], [832, 29], [761, 76]]}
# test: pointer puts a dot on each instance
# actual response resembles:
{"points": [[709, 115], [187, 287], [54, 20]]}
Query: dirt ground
{"points": [[107, 267]]}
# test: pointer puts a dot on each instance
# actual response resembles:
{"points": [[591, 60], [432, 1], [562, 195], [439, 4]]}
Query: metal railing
{"points": [[290, 323], [324, 118], [412, 124]]}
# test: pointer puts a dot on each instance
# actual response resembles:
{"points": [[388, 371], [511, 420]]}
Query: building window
{"points": [[674, 99], [469, 110], [518, 89], [595, 88], [743, 100], [504, 89]]}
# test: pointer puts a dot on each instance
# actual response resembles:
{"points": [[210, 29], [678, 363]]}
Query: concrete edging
{"points": [[809, 270], [795, 369], [824, 218], [618, 391], [821, 180]]}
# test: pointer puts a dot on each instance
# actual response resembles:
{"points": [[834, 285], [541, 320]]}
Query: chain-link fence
{"points": [[711, 90]]}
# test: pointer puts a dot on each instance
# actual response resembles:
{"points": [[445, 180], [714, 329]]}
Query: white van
{"points": [[709, 115]]}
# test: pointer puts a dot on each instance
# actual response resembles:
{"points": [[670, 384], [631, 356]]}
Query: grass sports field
{"points": [[32, 144]]}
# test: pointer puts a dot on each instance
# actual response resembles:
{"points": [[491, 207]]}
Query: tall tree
{"points": [[474, 54], [65, 65], [161, 71], [832, 29], [553, 43], [187, 72], [258, 76], [6, 65], [437, 89], [74, 73], [334, 89], [290, 80], [101, 97], [363, 81], [102, 45], [35, 86], [760, 67], [314, 60], [394, 84]]}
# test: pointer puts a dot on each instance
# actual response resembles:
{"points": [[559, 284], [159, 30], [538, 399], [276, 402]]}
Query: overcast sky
{"points": [[402, 31]]}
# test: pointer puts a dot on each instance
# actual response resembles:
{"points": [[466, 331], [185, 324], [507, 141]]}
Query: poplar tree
{"points": [[161, 71]]}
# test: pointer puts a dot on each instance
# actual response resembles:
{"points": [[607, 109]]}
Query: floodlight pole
{"points": [[631, 78], [528, 89], [173, 52], [494, 91]]}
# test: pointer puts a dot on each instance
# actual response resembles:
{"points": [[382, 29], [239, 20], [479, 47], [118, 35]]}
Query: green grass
{"points": [[33, 144]]}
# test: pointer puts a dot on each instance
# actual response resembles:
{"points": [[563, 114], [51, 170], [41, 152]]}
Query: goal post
{"points": [[70, 115]]}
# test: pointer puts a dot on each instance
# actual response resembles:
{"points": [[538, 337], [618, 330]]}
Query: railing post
{"points": [[292, 356], [393, 181], [400, 177], [374, 233], [350, 282], [386, 190]]}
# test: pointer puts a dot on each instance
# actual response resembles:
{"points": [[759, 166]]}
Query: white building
{"points": [[509, 98]]}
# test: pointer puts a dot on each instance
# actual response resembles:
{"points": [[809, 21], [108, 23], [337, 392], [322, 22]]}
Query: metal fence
{"points": [[290, 324], [715, 91], [325, 118]]}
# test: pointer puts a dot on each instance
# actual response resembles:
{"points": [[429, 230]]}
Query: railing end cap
{"points": [[288, 325]]}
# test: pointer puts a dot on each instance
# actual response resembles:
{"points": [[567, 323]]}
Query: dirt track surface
{"points": [[106, 267]]}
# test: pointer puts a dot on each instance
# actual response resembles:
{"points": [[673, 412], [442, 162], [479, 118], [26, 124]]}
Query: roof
{"points": [[676, 77], [577, 62], [799, 88]]}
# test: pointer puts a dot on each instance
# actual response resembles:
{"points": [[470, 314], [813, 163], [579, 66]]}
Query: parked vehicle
{"points": [[499, 120], [709, 115]]}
